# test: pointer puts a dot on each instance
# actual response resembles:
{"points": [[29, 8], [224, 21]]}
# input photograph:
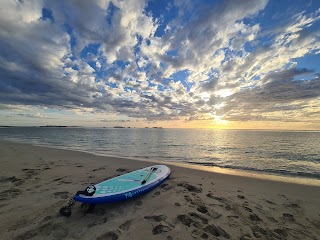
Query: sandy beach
{"points": [[192, 204]]}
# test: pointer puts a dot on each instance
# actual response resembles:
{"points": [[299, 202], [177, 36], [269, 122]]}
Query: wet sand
{"points": [[35, 182]]}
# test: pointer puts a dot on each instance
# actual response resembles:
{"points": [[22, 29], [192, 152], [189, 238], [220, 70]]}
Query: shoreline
{"points": [[192, 204], [215, 169]]}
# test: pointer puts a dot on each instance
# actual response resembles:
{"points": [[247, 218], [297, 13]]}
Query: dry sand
{"points": [[37, 181]]}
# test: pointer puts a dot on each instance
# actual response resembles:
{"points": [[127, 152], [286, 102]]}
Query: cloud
{"points": [[114, 121], [281, 97], [29, 115], [103, 56]]}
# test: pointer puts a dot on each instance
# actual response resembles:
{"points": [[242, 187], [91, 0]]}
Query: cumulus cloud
{"points": [[210, 59], [280, 97]]}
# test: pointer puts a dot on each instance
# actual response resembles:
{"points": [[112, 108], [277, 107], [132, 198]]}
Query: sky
{"points": [[183, 64]]}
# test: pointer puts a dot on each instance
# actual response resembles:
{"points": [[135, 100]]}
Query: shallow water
{"points": [[272, 152]]}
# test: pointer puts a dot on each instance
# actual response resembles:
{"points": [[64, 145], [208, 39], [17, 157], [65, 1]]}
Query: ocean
{"points": [[282, 153]]}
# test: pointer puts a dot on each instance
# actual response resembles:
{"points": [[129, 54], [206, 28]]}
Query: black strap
{"points": [[88, 192]]}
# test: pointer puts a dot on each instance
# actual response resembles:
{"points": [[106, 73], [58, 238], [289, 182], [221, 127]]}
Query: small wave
{"points": [[270, 171]]}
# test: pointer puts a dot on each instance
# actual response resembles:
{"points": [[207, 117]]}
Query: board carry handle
{"points": [[146, 178]]}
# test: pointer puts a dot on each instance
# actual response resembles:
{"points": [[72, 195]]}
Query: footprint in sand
{"points": [[270, 202], [292, 205], [185, 219], [246, 237], [272, 219], [126, 225], [203, 209], [216, 231], [31, 172], [215, 215], [9, 179], [228, 207], [200, 217], [156, 194], [99, 222], [3, 205], [204, 236], [160, 229], [62, 195], [97, 169], [166, 187], [187, 198], [247, 209], [9, 194], [47, 218], [254, 217], [156, 218], [258, 231], [220, 199], [190, 187], [281, 232], [192, 218], [284, 196], [57, 231], [138, 203], [288, 217], [99, 211], [66, 182], [18, 183], [57, 179], [196, 233], [108, 236]]}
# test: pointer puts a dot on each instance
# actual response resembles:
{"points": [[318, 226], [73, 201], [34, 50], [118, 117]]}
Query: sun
{"points": [[219, 120], [219, 123]]}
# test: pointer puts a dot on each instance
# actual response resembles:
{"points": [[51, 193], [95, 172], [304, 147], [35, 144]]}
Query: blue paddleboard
{"points": [[127, 186]]}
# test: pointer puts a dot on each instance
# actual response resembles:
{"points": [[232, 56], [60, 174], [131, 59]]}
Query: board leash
{"points": [[66, 211]]}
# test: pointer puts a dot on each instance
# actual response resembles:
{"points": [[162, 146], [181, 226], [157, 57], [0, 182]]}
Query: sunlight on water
{"points": [[270, 153]]}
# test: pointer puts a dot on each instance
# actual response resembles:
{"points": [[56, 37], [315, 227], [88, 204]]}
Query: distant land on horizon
{"points": [[121, 127]]}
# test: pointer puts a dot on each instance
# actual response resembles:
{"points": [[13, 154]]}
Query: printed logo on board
{"points": [[128, 195], [131, 194]]}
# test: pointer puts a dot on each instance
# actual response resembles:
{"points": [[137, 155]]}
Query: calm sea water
{"points": [[279, 153]]}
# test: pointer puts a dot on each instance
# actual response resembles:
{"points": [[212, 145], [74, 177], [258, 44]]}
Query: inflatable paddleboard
{"points": [[125, 186]]}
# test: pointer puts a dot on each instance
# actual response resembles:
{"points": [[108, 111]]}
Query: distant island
{"points": [[55, 126]]}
